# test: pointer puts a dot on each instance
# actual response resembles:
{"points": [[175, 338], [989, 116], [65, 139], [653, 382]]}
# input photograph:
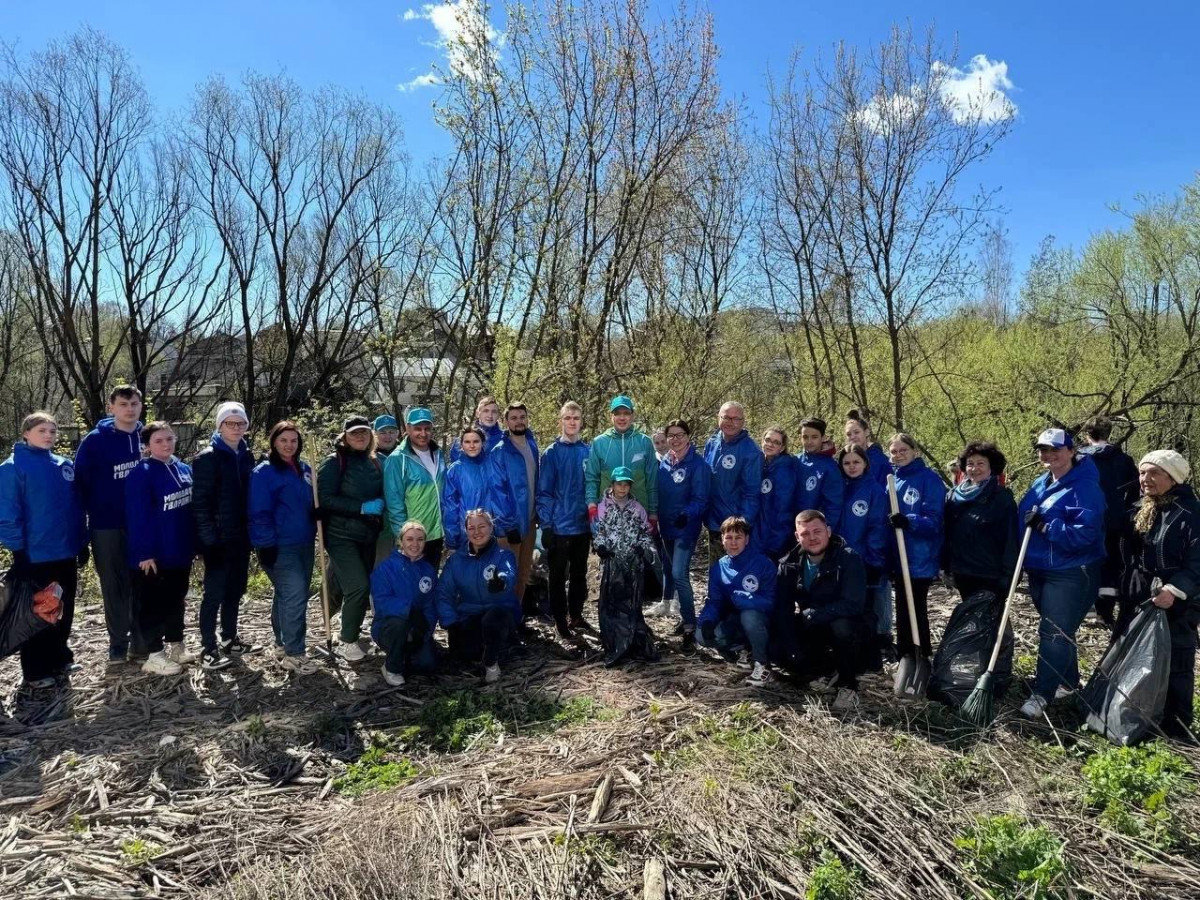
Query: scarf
{"points": [[1148, 512], [966, 490]]}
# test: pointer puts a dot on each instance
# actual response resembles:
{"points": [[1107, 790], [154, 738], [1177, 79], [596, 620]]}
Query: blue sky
{"points": [[1107, 97]]}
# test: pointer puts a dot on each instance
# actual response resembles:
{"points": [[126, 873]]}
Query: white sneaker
{"points": [[1034, 706], [847, 700], [179, 653], [662, 608], [744, 660], [351, 651], [760, 675], [1062, 692], [161, 664], [301, 665], [491, 674], [825, 684], [398, 680]]}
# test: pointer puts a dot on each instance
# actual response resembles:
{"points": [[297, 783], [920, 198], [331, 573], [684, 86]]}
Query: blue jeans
{"points": [[678, 578], [881, 595], [739, 628], [291, 576], [1063, 598]]}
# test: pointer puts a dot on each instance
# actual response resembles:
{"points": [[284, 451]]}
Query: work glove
{"points": [[709, 630], [899, 520], [496, 584], [512, 536], [1034, 520], [372, 507], [214, 556], [84, 555], [680, 520], [604, 552], [593, 511], [549, 539], [268, 556]]}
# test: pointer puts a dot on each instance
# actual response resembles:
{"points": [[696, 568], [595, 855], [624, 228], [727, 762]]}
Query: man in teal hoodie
{"points": [[623, 445]]}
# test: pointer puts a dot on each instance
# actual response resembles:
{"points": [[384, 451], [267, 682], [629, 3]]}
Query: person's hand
{"points": [[1034, 520], [1164, 599], [268, 556], [496, 584], [512, 536], [709, 630], [681, 520], [214, 556], [372, 507], [549, 539], [84, 555], [148, 566], [899, 520], [653, 521], [603, 552], [593, 511]]}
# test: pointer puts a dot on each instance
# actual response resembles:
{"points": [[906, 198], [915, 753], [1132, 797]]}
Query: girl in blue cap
{"points": [[622, 541]]}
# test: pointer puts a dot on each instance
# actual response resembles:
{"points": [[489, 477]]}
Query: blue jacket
{"points": [[880, 466], [281, 506], [683, 488], [864, 526], [736, 486], [775, 529], [819, 486], [511, 490], [40, 512], [398, 585], [462, 592], [105, 456], [922, 497], [1073, 509], [466, 488], [493, 434], [158, 514], [561, 493], [739, 583]]}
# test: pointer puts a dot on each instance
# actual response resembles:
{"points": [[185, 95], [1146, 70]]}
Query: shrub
{"points": [[1133, 787], [831, 880], [1014, 859], [374, 771]]}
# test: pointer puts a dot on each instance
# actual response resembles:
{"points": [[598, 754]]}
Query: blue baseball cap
{"points": [[1054, 439], [622, 473], [385, 421], [419, 415], [621, 400]]}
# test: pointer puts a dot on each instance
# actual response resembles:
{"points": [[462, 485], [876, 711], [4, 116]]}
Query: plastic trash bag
{"points": [[1126, 694], [966, 649], [24, 612]]}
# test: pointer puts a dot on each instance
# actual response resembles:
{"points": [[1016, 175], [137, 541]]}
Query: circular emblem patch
{"points": [[488, 572], [749, 584], [912, 496], [811, 484], [860, 507], [678, 475], [425, 584], [728, 461], [308, 477], [68, 473], [766, 486]]}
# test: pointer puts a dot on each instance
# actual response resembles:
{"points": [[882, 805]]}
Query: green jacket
{"points": [[633, 449], [411, 493], [346, 480]]}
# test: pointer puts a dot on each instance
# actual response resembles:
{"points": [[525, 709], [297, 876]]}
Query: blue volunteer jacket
{"points": [[462, 592], [864, 525], [158, 514], [561, 493], [493, 434], [879, 465], [40, 512], [398, 586], [1073, 509], [819, 486], [510, 488], [683, 487], [775, 529], [465, 488], [281, 506], [105, 456], [736, 485], [739, 583], [922, 496]]}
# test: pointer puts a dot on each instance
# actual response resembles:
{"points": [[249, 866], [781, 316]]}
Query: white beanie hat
{"points": [[1169, 461], [228, 410]]}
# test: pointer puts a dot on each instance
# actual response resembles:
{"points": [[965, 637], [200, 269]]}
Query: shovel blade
{"points": [[912, 678]]}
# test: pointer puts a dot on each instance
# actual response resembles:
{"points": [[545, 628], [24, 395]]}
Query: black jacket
{"points": [[981, 534], [220, 493], [838, 591], [1118, 480], [1170, 551], [345, 481]]}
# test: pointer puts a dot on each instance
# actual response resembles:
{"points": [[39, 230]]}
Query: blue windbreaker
{"points": [[510, 488], [462, 591], [739, 583], [561, 493], [775, 529], [683, 487], [922, 497], [819, 486], [879, 465], [736, 485], [493, 434], [281, 506], [40, 511], [864, 525], [465, 488], [158, 514], [1073, 508], [398, 585], [105, 456]]}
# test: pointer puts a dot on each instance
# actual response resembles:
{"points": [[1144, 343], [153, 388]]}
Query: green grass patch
{"points": [[1017, 861], [378, 769], [832, 880], [459, 721], [1133, 787], [137, 852]]}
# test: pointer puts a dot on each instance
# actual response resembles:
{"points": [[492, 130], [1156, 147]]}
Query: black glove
{"points": [[214, 556], [604, 552], [680, 520], [496, 584], [549, 539], [512, 536], [899, 520], [84, 555], [1034, 520], [268, 556], [709, 630]]}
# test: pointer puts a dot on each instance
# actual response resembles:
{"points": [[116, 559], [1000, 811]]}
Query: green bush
{"points": [[1014, 859], [457, 721], [831, 880], [1133, 787], [374, 771]]}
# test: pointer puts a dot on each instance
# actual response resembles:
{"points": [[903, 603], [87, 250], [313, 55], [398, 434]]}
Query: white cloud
{"points": [[977, 93], [419, 82], [463, 33]]}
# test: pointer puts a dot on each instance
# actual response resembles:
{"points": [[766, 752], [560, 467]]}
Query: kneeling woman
{"points": [[402, 590], [41, 522], [476, 597], [160, 545]]}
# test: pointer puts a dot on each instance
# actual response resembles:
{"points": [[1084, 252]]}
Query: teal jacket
{"points": [[632, 449], [410, 492]]}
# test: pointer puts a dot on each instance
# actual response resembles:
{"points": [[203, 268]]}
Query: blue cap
{"points": [[1054, 439], [385, 421], [619, 401], [419, 415], [622, 473]]}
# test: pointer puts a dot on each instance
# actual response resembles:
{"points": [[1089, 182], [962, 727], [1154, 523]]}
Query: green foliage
{"points": [[258, 585], [460, 721], [256, 728], [138, 852], [1015, 860], [78, 826], [376, 770], [831, 880], [1134, 786], [1024, 665]]}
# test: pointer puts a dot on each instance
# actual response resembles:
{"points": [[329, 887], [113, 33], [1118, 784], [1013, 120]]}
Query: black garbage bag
{"points": [[624, 543], [966, 649], [25, 612], [1126, 694]]}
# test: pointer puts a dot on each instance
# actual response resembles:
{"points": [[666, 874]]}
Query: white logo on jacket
{"points": [[766, 486], [678, 475], [728, 461], [425, 584], [750, 584], [68, 472], [912, 496], [811, 484], [638, 457], [308, 476], [860, 507], [488, 572]]}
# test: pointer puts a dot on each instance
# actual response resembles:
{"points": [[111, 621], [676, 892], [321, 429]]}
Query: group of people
{"points": [[804, 561]]}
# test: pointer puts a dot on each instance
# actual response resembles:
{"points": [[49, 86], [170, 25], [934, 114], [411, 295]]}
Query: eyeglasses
{"points": [[671, 435], [733, 418], [236, 424]]}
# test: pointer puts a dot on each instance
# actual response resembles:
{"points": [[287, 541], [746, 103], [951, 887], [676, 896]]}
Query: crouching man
{"points": [[741, 596], [826, 583]]}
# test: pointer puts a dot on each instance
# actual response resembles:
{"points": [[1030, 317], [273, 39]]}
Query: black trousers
{"points": [[485, 636], [433, 552], [1110, 578], [403, 640], [224, 585], [904, 636], [160, 600], [47, 653], [838, 645], [567, 562]]}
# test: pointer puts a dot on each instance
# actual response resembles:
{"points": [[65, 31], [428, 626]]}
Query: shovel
{"points": [[912, 675]]}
